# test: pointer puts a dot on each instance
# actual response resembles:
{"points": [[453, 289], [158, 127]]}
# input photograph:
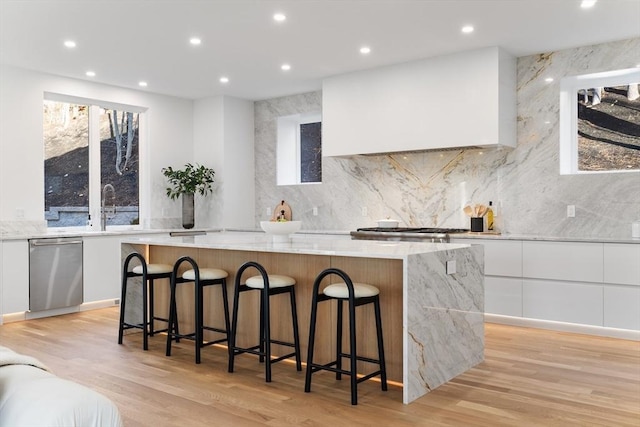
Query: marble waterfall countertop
{"points": [[440, 315], [300, 243]]}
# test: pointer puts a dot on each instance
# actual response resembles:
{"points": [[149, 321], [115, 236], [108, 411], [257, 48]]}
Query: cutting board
{"points": [[281, 210]]}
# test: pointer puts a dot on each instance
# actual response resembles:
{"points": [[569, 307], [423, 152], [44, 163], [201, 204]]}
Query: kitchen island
{"points": [[432, 296]]}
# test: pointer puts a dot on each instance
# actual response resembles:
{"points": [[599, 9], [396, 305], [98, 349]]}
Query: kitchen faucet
{"points": [[103, 216]]}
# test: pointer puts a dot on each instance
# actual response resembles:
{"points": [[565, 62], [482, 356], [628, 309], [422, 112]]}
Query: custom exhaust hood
{"points": [[454, 101]]}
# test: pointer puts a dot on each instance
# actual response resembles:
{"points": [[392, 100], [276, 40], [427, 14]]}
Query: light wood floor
{"points": [[530, 377]]}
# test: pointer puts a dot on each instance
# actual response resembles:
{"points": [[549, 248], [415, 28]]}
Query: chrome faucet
{"points": [[103, 216]]}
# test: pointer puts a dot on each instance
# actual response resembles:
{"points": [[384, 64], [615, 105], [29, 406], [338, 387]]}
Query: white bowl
{"points": [[388, 223], [280, 228]]}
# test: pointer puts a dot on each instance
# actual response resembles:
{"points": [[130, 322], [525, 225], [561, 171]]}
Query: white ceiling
{"points": [[125, 41]]}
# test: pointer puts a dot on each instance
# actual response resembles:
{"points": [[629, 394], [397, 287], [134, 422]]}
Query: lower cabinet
{"points": [[622, 307], [563, 301], [596, 284], [15, 276], [101, 268], [503, 295]]}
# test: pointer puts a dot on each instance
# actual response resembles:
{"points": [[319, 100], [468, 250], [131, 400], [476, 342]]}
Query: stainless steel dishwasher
{"points": [[55, 273]]}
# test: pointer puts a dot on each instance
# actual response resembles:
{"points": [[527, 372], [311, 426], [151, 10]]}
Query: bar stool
{"points": [[149, 273], [201, 277], [268, 285], [356, 294]]}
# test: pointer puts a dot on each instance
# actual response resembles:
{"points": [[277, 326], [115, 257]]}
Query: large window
{"points": [[600, 122], [90, 149]]}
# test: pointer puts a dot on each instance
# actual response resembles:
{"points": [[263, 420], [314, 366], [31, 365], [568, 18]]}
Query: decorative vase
{"points": [[187, 210]]}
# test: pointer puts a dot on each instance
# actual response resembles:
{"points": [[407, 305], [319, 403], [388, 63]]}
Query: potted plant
{"points": [[186, 182]]}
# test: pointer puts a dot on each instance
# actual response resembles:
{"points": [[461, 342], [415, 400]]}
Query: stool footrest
{"points": [[361, 358], [330, 367]]}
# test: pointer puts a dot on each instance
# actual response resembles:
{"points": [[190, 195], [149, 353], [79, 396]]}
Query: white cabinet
{"points": [[622, 307], [101, 268], [596, 284], [414, 105], [502, 257], [503, 275], [15, 276], [622, 264], [503, 295], [563, 301], [573, 261]]}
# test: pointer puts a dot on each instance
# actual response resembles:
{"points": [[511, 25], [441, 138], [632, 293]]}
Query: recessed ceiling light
{"points": [[365, 50], [195, 41], [279, 17], [548, 79], [70, 44], [587, 4], [285, 67], [224, 79], [142, 84], [90, 73], [467, 29]]}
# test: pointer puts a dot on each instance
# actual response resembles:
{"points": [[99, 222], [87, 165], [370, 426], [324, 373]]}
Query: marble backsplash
{"points": [[431, 188]]}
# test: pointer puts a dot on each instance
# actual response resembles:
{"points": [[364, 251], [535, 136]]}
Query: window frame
{"points": [[569, 86], [289, 151], [95, 184]]}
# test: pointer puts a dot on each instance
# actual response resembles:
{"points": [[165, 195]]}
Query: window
{"points": [[600, 122], [299, 156], [87, 147]]}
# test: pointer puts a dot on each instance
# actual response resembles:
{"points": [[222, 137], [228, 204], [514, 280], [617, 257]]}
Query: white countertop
{"points": [[310, 244], [542, 237], [471, 236]]}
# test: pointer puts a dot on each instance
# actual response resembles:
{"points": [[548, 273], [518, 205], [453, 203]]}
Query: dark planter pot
{"points": [[188, 220]]}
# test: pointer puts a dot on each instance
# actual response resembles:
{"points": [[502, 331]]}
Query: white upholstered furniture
{"points": [[30, 395]]}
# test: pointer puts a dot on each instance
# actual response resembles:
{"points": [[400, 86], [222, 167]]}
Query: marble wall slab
{"points": [[431, 188]]}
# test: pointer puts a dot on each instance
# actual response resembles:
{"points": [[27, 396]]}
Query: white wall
{"points": [[167, 140], [223, 135]]}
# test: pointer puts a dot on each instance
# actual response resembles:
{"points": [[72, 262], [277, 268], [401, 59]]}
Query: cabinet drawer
{"points": [[622, 264], [503, 295], [622, 307], [501, 257], [563, 302], [580, 262]]}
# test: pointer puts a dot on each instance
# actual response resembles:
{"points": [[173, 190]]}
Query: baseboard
{"points": [[27, 315], [626, 334]]}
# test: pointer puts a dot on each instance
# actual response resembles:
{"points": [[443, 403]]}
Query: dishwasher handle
{"points": [[54, 243]]}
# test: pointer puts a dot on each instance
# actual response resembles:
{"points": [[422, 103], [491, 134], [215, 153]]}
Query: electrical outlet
{"points": [[315, 211], [364, 211], [451, 266], [571, 211], [268, 211], [19, 213]]}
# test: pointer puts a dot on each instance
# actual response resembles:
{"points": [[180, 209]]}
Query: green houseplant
{"points": [[186, 182]]}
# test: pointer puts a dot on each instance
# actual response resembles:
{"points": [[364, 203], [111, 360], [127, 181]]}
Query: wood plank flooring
{"points": [[530, 377]]}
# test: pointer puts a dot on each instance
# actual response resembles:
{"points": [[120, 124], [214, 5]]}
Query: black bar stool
{"points": [[356, 294], [201, 277], [149, 273], [268, 285]]}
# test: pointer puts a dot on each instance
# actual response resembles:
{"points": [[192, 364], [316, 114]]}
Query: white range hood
{"points": [[466, 99]]}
